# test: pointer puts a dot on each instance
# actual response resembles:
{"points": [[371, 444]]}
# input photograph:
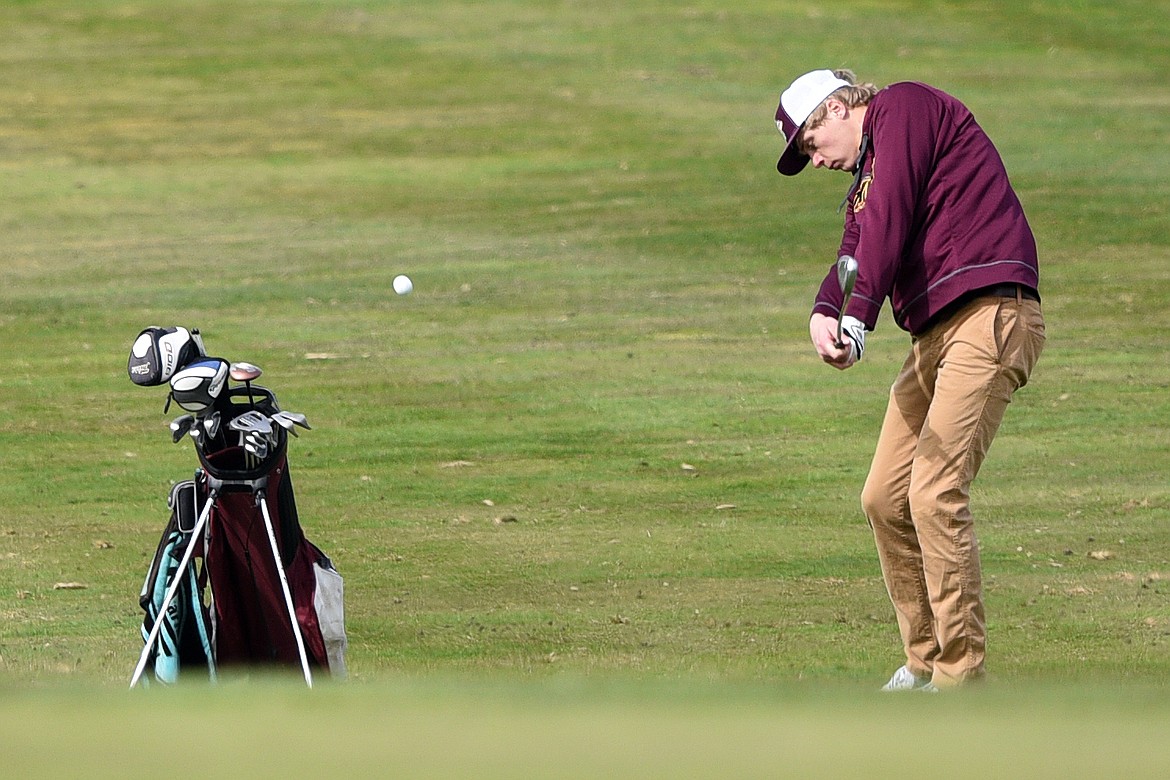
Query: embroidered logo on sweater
{"points": [[862, 193]]}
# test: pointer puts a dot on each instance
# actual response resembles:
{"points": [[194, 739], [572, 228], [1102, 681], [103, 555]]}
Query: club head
{"points": [[298, 419], [251, 421], [846, 277], [256, 444], [180, 426], [846, 274], [282, 419], [211, 425], [244, 372], [292, 418]]}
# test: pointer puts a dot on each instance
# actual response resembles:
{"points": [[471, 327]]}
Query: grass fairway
{"points": [[593, 495]]}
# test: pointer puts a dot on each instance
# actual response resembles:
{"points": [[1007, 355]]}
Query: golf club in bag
{"points": [[234, 581]]}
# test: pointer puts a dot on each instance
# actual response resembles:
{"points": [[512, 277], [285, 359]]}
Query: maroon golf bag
{"points": [[250, 619], [234, 581]]}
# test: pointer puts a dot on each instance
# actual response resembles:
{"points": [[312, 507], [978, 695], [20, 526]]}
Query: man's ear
{"points": [[836, 108]]}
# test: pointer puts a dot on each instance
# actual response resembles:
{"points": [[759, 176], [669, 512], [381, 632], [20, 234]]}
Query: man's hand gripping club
{"points": [[829, 335]]}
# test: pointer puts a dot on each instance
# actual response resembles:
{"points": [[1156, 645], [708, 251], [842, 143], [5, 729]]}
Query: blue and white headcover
{"points": [[196, 387]]}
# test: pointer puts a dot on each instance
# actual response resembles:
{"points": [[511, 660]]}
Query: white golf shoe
{"points": [[906, 680]]}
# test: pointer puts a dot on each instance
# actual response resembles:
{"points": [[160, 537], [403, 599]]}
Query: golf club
{"points": [[250, 422], [211, 425], [281, 419], [245, 372], [298, 419], [197, 337], [846, 277], [256, 444], [288, 419], [180, 426]]}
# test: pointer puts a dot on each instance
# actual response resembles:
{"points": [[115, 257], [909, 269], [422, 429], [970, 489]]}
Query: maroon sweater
{"points": [[934, 216]]}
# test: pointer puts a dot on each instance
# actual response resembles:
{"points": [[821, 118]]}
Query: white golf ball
{"points": [[402, 284]]}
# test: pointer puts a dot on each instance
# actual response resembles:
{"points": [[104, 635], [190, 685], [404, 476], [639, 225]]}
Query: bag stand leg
{"points": [[292, 612], [152, 638]]}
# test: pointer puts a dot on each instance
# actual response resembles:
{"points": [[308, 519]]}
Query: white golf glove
{"points": [[855, 330]]}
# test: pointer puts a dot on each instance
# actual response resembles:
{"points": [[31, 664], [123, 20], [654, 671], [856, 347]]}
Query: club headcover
{"points": [[158, 353], [197, 386]]}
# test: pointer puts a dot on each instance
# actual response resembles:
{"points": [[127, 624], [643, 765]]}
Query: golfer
{"points": [[937, 229]]}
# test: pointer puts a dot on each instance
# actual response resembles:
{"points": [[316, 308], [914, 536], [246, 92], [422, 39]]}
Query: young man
{"points": [[937, 229]]}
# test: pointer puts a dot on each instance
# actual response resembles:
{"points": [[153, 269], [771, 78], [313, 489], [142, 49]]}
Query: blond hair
{"points": [[852, 96]]}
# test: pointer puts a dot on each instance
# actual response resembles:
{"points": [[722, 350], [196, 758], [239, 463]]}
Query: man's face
{"points": [[834, 143]]}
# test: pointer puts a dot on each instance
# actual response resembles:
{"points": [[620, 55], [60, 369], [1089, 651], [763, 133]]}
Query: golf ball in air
{"points": [[402, 284]]}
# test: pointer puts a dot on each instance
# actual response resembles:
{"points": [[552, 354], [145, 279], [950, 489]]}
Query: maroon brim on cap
{"points": [[791, 161]]}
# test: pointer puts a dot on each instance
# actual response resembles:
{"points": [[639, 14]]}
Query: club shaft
{"points": [[841, 323]]}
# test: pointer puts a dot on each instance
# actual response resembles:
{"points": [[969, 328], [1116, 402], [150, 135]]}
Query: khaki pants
{"points": [[945, 408]]}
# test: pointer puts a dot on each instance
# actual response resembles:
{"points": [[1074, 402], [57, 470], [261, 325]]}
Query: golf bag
{"points": [[234, 581]]}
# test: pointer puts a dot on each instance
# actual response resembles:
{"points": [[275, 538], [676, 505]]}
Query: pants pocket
{"points": [[1019, 337]]}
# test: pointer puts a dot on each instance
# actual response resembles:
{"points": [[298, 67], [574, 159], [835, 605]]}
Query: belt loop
{"points": [[1019, 295]]}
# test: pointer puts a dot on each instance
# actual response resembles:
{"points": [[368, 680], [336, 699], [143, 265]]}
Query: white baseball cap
{"points": [[796, 105]]}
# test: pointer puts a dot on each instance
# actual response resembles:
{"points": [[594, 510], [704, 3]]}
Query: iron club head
{"points": [[251, 421], [211, 425], [281, 419], [293, 418], [846, 277], [846, 274], [256, 444], [180, 426]]}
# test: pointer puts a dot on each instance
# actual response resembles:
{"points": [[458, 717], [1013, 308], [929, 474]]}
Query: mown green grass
{"points": [[611, 282]]}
